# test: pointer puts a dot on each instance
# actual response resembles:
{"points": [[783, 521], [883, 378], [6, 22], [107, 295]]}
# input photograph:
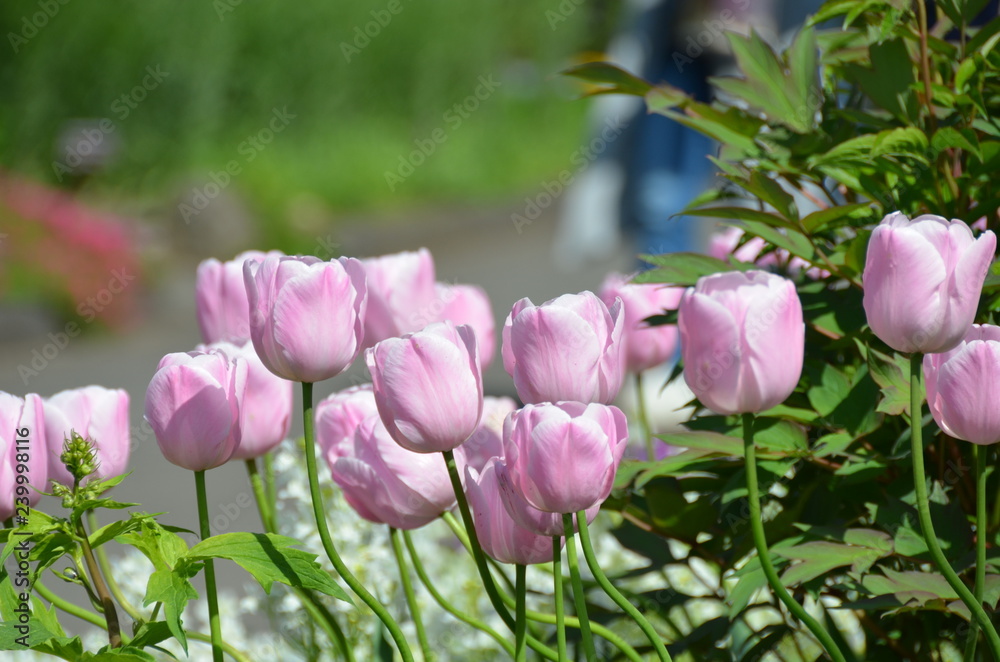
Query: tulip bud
{"points": [[267, 404], [428, 387], [468, 304], [387, 484], [400, 295], [499, 535], [568, 348], [194, 403], [221, 298], [540, 522], [922, 281], [645, 346], [742, 340], [963, 386], [96, 413], [306, 315], [562, 457], [22, 452]]}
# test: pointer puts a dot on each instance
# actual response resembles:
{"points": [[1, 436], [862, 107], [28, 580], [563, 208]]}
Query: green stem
{"points": [[263, 507], [73, 610], [102, 562], [924, 511], [270, 487], [578, 595], [614, 594], [447, 606], [317, 610], [757, 526], [319, 512], [557, 594], [520, 619], [480, 558], [647, 429], [549, 619], [210, 589], [411, 597], [981, 453], [107, 604]]}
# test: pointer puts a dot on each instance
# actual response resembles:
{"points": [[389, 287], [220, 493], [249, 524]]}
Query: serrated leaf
{"points": [[174, 590], [270, 558], [162, 547], [126, 654], [892, 374], [111, 531]]}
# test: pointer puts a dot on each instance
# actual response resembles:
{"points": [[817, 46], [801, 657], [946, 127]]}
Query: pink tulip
{"points": [[337, 418], [742, 340], [221, 298], [922, 281], [428, 387], [963, 386], [306, 315], [562, 457], [96, 413], [487, 441], [194, 404], [568, 348], [499, 535], [645, 346], [387, 484], [468, 304], [525, 515], [400, 294], [267, 404], [22, 420]]}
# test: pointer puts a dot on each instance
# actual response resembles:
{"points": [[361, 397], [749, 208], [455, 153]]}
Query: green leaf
{"points": [[162, 547], [744, 214], [111, 531], [892, 374], [174, 590], [950, 137], [793, 242], [126, 654], [616, 78], [270, 558], [816, 559], [684, 268], [820, 219], [150, 634]]}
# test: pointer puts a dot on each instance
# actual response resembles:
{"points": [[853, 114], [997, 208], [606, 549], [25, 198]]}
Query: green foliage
{"points": [[817, 144]]}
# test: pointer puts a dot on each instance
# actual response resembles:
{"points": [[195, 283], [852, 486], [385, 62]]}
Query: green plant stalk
{"points": [[647, 429], [210, 589], [578, 595], [480, 558], [557, 596], [270, 486], [924, 511], [981, 453], [760, 542], [550, 619], [319, 512], [317, 610], [116, 591], [107, 603], [411, 597], [614, 594], [520, 619], [418, 567]]}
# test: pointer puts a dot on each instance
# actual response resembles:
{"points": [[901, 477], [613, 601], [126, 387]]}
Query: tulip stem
{"points": [[647, 429], [210, 589], [924, 512], [480, 558], [447, 606], [579, 596], [557, 595], [757, 527], [411, 596], [319, 512], [981, 453], [615, 594], [270, 487], [521, 620], [317, 610]]}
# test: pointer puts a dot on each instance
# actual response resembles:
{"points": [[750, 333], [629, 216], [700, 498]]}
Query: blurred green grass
{"points": [[228, 65]]}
